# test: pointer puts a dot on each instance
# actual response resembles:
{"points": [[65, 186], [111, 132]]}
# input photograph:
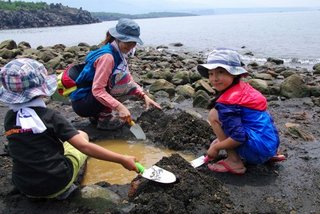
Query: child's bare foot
{"points": [[277, 158], [228, 166]]}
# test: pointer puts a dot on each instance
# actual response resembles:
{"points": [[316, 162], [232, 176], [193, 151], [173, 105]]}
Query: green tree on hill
{"points": [[21, 5]]}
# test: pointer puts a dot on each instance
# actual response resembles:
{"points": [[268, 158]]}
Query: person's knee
{"points": [[214, 118], [84, 134]]}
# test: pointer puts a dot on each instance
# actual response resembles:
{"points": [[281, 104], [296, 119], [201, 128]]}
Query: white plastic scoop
{"points": [[157, 174], [199, 161]]}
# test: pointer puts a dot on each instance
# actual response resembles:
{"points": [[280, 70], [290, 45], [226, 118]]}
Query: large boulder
{"points": [[162, 85], [8, 44], [203, 84], [185, 90], [275, 60], [294, 87], [260, 85], [201, 99], [180, 78], [316, 68]]}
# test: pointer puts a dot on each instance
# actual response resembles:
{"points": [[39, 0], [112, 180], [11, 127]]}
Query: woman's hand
{"points": [[148, 101], [124, 113]]}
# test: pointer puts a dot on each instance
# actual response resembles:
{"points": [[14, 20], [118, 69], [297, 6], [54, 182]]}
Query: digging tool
{"points": [[136, 130], [199, 161], [157, 174]]}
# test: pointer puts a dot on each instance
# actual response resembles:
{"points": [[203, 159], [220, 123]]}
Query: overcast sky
{"points": [[138, 6]]}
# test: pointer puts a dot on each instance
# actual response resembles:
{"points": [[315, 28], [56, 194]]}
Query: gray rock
{"points": [[287, 73], [315, 91], [24, 45], [97, 198], [260, 85], [177, 44], [201, 99], [180, 78], [8, 54], [161, 74], [294, 87], [8, 44], [194, 76], [162, 85], [276, 61], [46, 55], [55, 63], [185, 90], [263, 76], [203, 84], [316, 68]]}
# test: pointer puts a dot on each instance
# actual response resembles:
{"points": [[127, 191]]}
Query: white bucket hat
{"points": [[126, 30], [24, 79], [222, 57]]}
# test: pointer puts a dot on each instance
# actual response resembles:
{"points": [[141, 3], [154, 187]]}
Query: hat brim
{"points": [[233, 70], [124, 38], [47, 89]]}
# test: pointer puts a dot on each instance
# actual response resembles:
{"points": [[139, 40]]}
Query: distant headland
{"points": [[104, 16], [17, 15]]}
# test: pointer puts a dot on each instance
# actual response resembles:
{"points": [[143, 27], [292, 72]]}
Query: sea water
{"points": [[291, 36]]}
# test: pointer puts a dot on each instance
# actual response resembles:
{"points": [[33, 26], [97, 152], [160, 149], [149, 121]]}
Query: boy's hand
{"points": [[212, 151], [129, 162]]}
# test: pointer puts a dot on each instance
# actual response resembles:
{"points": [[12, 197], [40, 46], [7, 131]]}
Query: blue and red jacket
{"points": [[244, 117]]}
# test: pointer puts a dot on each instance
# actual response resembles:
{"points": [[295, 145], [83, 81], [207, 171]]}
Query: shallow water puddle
{"points": [[147, 155]]}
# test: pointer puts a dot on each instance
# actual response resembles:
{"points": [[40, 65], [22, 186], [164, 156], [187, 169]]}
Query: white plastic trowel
{"points": [[156, 174], [200, 161]]}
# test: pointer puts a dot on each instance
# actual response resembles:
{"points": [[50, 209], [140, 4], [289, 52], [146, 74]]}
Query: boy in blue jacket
{"points": [[239, 118]]}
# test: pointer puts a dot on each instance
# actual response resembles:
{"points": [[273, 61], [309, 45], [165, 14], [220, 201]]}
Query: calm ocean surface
{"points": [[292, 36]]}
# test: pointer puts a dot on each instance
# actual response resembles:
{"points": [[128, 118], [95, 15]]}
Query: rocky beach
{"points": [[170, 77]]}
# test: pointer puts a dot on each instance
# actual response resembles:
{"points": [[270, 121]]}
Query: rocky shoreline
{"points": [[53, 15], [171, 78], [158, 69]]}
